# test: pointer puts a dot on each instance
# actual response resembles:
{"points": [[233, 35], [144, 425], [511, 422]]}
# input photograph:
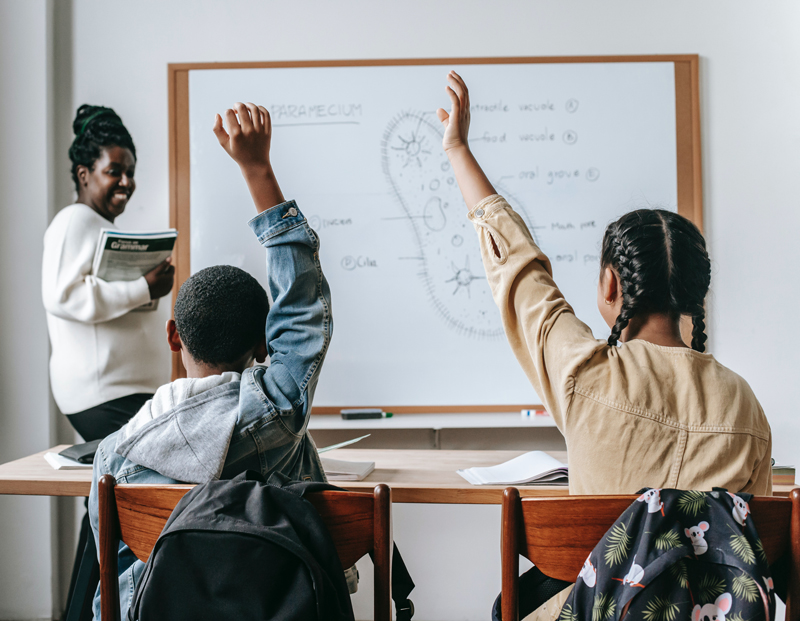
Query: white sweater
{"points": [[100, 351]]}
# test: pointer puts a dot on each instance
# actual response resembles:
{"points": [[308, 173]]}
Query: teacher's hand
{"points": [[160, 279]]}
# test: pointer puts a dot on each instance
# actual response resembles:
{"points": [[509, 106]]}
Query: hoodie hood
{"points": [[185, 430]]}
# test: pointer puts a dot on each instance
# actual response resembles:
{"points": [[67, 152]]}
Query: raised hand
{"points": [[456, 123], [249, 134], [247, 141], [472, 181]]}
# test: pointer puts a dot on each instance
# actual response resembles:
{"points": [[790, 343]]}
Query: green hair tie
{"points": [[91, 118]]}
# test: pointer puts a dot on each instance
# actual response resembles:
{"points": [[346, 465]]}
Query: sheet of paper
{"points": [[333, 447]]}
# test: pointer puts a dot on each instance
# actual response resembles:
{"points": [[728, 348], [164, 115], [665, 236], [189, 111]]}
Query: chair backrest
{"points": [[557, 534], [359, 524]]}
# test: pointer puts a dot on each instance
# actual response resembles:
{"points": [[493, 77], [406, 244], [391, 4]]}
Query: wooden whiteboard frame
{"points": [[687, 123]]}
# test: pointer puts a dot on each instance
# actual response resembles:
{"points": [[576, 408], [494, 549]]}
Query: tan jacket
{"points": [[638, 415]]}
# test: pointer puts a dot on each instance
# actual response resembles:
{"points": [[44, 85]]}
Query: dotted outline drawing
{"points": [[448, 258]]}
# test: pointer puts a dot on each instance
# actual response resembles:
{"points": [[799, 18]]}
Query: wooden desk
{"points": [[415, 476]]}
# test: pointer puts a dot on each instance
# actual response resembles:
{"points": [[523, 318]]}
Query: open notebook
{"points": [[534, 468]]}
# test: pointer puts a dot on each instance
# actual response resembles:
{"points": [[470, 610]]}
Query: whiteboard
{"points": [[572, 146]]}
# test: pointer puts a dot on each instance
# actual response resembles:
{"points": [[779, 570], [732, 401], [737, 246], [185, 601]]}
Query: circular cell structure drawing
{"points": [[592, 174], [572, 105], [570, 137], [449, 267]]}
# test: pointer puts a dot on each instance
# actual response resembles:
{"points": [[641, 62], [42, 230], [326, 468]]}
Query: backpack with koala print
{"points": [[676, 555]]}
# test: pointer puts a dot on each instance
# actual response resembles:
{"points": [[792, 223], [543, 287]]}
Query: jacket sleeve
{"points": [[760, 482], [69, 290], [549, 341], [299, 323]]}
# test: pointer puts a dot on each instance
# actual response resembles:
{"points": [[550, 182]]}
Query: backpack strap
{"points": [[402, 584]]}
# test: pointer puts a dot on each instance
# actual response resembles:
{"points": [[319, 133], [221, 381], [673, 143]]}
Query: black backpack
{"points": [[249, 549], [677, 555]]}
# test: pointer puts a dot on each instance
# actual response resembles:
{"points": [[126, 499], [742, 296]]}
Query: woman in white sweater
{"points": [[101, 367]]}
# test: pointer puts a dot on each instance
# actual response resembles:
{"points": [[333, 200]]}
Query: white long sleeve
{"points": [[69, 290], [100, 350]]}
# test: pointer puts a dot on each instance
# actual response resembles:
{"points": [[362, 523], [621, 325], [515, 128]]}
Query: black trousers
{"points": [[534, 590], [104, 419], [94, 424]]}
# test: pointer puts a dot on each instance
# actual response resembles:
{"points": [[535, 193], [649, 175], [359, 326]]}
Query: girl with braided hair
{"points": [[640, 409], [650, 412], [102, 363]]}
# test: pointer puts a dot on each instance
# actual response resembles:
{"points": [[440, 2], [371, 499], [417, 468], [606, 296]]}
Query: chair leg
{"points": [[793, 592], [383, 551], [109, 549], [509, 592], [79, 607]]}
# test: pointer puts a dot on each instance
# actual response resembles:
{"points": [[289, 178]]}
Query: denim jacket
{"points": [[257, 421]]}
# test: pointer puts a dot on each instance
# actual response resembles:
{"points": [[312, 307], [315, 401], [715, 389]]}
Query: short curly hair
{"points": [[220, 314], [96, 127]]}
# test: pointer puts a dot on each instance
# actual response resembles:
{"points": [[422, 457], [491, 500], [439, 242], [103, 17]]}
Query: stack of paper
{"points": [[338, 470], [535, 467], [59, 462]]}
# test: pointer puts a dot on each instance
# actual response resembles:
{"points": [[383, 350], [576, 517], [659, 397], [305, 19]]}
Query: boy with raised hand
{"points": [[228, 416]]}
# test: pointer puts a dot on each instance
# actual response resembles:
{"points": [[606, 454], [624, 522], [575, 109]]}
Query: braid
{"points": [[624, 317], [699, 337], [627, 278], [96, 127]]}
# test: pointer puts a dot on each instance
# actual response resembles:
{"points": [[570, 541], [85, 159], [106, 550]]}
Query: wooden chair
{"points": [[557, 534], [358, 523]]}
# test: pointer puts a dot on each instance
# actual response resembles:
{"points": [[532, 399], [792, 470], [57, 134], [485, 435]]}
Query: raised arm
{"points": [[299, 324], [549, 342]]}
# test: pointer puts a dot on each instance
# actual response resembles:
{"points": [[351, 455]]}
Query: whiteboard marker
{"points": [[364, 413]]}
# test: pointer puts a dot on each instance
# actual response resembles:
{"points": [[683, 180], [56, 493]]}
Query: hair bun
{"points": [[96, 127], [87, 115]]}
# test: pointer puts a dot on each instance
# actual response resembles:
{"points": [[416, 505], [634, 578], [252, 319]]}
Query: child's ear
{"points": [[610, 284], [260, 353], [173, 339]]}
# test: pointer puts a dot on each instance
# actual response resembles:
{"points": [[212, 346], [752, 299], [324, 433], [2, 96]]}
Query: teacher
{"points": [[103, 351]]}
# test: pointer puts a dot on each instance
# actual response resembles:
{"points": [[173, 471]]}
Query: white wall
{"points": [[25, 531], [750, 96]]}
